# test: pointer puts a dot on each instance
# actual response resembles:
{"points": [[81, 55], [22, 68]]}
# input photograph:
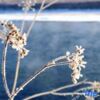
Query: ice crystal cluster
{"points": [[76, 62], [28, 5], [16, 39]]}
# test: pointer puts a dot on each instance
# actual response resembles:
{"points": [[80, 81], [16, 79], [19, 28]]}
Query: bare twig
{"points": [[49, 4], [38, 95], [33, 77], [30, 79], [55, 62], [69, 86], [40, 10], [66, 94], [16, 74], [54, 91], [34, 19], [4, 70], [23, 22], [49, 65]]}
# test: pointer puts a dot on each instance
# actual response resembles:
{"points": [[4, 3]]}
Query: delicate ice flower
{"points": [[76, 75], [24, 52], [27, 4], [74, 80], [67, 53], [76, 62], [82, 64], [79, 49], [16, 39]]}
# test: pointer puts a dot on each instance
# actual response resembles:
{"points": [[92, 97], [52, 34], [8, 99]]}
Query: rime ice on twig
{"points": [[27, 4], [34, 18], [57, 91], [74, 60], [16, 39], [4, 70]]}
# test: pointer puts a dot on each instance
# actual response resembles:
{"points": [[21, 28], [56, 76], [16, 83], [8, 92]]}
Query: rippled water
{"points": [[49, 40]]}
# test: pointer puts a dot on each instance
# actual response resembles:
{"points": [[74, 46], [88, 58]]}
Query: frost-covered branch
{"points": [[74, 60], [34, 18], [4, 70], [58, 93], [42, 7], [49, 4], [16, 73]]}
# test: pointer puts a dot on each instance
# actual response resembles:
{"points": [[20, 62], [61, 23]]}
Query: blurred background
{"points": [[39, 1], [74, 22]]}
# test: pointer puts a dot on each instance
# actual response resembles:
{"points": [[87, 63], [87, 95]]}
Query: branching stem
{"points": [[56, 91], [34, 19], [4, 70], [16, 74]]}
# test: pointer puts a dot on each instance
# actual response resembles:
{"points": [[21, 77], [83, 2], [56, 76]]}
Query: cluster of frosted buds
{"points": [[96, 86], [28, 4], [16, 39], [76, 63]]}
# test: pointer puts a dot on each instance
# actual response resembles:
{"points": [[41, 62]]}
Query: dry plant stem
{"points": [[16, 74], [38, 95], [34, 76], [41, 9], [54, 91], [59, 58], [23, 22], [66, 94], [90, 87], [48, 5], [39, 72], [4, 70], [34, 19], [29, 80]]}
